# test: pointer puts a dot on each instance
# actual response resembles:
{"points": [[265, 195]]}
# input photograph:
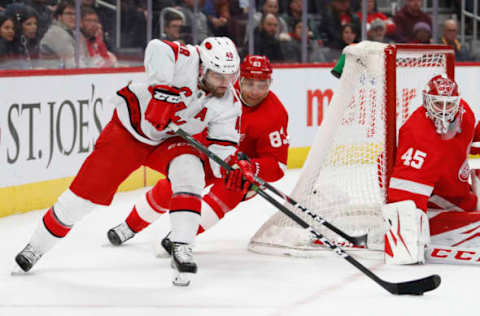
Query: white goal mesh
{"points": [[346, 172]]}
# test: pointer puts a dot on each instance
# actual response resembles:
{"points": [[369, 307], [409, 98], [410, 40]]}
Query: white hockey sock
{"points": [[184, 226], [58, 220]]}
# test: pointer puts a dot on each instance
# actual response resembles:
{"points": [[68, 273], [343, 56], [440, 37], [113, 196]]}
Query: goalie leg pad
{"points": [[407, 233]]}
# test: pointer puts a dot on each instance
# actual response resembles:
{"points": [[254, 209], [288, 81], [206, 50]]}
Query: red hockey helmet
{"points": [[441, 99], [256, 67]]}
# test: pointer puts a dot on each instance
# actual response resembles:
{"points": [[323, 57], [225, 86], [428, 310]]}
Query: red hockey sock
{"points": [[53, 224], [135, 222], [185, 202]]}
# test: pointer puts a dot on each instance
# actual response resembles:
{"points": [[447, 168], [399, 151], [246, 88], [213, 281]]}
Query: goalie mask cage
{"points": [[345, 176]]}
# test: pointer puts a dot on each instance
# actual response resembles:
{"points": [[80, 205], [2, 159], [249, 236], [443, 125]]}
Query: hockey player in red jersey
{"points": [[431, 173], [263, 138], [190, 86]]}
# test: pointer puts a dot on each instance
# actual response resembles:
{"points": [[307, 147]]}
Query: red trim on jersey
{"points": [[133, 106], [135, 222], [185, 202], [269, 168], [53, 224], [395, 195], [174, 47]]}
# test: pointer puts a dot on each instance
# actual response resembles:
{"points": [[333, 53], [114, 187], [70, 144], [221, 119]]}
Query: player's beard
{"points": [[217, 92]]}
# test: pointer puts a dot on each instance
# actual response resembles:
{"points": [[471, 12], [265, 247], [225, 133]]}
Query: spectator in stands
{"points": [[292, 49], [26, 42], [336, 16], [157, 7], [422, 33], [173, 24], [376, 31], [407, 18], [265, 42], [133, 25], [218, 15], [450, 37], [199, 18], [93, 51], [57, 47], [238, 23], [294, 13], [271, 6], [107, 20], [349, 36], [44, 13], [373, 14], [7, 35]]}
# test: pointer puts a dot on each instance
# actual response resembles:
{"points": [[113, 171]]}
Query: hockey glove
{"points": [[161, 107], [242, 175]]}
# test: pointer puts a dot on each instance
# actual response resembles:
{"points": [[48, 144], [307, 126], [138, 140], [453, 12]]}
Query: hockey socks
{"points": [[184, 216]]}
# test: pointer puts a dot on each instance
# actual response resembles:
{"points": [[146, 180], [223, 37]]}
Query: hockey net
{"points": [[345, 176]]}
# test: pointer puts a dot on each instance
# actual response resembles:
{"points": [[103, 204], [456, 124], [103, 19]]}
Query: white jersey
{"points": [[175, 65]]}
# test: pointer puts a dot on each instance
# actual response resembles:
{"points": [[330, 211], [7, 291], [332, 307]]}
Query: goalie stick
{"points": [[414, 287]]}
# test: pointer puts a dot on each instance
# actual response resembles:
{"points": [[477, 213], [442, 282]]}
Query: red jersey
{"points": [[432, 171], [263, 136]]}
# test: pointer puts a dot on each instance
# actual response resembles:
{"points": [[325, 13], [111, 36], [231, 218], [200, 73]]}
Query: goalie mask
{"points": [[255, 79], [441, 100], [219, 64]]}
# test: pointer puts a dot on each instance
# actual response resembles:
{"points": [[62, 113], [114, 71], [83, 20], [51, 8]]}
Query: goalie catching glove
{"points": [[162, 106], [243, 173]]}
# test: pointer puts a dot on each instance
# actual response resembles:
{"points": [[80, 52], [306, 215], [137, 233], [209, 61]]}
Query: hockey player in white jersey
{"points": [[190, 86]]}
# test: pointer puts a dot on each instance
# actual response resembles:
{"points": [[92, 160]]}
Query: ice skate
{"points": [[167, 244], [27, 258], [182, 263], [120, 234]]}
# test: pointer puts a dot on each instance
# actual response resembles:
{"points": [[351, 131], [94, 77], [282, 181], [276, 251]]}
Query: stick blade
{"points": [[360, 240], [415, 287]]}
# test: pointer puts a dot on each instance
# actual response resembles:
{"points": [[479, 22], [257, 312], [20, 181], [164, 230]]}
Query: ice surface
{"points": [[84, 275]]}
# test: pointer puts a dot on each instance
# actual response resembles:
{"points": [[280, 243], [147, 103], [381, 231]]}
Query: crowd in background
{"points": [[40, 34]]}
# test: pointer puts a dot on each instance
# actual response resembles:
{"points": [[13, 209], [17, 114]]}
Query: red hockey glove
{"points": [[242, 175], [161, 107]]}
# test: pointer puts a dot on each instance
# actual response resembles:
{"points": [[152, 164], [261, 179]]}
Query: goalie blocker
{"points": [[406, 233]]}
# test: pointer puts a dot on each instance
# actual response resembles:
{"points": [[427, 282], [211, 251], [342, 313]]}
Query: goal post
{"points": [[347, 171]]}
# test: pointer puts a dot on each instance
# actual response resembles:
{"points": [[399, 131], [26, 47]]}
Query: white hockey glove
{"points": [[407, 233]]}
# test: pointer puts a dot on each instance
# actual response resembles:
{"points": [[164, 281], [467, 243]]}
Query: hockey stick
{"points": [[414, 287]]}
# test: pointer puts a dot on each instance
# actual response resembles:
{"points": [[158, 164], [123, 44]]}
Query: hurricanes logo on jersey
{"points": [[464, 172]]}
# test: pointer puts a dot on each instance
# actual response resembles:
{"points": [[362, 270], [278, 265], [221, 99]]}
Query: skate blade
{"points": [[16, 270], [181, 278]]}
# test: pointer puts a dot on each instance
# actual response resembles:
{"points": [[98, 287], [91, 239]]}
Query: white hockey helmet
{"points": [[219, 54], [441, 100]]}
